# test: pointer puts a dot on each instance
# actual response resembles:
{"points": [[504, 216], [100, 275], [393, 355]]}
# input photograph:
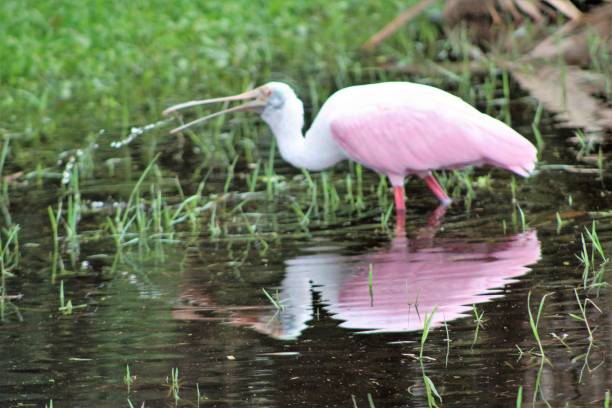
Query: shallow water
{"points": [[339, 340]]}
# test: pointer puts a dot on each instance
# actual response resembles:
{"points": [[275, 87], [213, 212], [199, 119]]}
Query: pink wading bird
{"points": [[395, 128]]}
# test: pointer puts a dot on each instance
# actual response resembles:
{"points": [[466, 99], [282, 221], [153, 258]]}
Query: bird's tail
{"points": [[506, 148], [524, 170]]}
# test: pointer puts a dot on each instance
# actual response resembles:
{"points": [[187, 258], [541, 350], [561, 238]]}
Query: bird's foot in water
{"points": [[437, 189], [447, 201]]}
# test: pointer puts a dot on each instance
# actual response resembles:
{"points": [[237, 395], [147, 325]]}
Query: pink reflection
{"points": [[449, 276], [409, 280]]}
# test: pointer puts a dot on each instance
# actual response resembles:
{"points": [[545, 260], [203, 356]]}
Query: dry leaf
{"points": [[573, 40], [569, 91], [566, 7], [531, 9], [399, 21]]}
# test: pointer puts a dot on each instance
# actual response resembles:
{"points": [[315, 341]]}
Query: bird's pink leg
{"points": [[437, 189], [400, 204], [397, 181], [400, 211]]}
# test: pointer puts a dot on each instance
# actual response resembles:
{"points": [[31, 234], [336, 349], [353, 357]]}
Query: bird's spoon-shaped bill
{"points": [[259, 96]]}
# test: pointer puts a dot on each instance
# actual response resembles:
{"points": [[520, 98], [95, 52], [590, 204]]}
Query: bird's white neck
{"points": [[313, 152], [290, 141]]}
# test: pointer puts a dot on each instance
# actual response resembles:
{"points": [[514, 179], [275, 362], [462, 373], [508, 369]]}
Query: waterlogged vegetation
{"points": [[143, 269]]}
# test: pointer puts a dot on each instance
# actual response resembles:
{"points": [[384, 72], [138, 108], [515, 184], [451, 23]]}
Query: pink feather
{"points": [[402, 140]]}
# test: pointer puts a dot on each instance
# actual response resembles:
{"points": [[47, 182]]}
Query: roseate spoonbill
{"points": [[395, 128]]}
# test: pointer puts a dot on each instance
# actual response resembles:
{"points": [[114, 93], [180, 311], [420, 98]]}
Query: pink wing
{"points": [[403, 140]]}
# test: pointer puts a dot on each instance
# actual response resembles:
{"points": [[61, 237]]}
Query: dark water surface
{"points": [[199, 306]]}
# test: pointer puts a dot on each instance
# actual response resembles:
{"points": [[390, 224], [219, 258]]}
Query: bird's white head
{"points": [[276, 102], [282, 106]]}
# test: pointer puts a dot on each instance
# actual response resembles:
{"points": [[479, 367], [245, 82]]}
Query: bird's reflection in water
{"points": [[409, 279]]}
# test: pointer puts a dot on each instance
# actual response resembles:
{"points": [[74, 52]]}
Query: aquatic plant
{"points": [[274, 300], [430, 388], [584, 319], [534, 323], [478, 323], [9, 261]]}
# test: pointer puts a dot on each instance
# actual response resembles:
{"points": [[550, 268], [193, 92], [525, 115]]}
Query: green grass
{"points": [[78, 97], [128, 379], [275, 300], [448, 343], [478, 323], [199, 396], [69, 77], [430, 389], [594, 261], [582, 317], [9, 261], [66, 307], [534, 323], [174, 384], [56, 260], [535, 127], [69, 84]]}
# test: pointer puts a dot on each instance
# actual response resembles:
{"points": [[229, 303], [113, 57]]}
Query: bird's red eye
{"points": [[266, 92]]}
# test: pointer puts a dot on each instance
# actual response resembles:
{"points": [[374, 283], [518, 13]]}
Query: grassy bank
{"points": [[71, 67]]}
